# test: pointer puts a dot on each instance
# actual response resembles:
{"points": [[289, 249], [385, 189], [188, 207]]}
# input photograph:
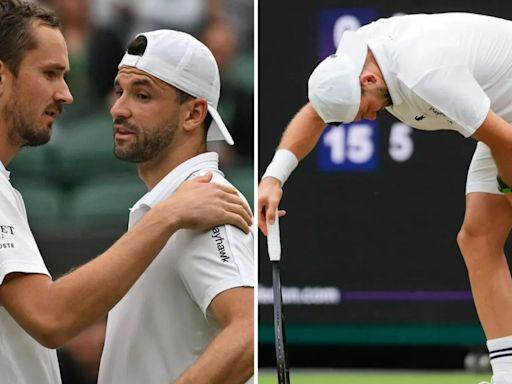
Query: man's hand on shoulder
{"points": [[200, 204]]}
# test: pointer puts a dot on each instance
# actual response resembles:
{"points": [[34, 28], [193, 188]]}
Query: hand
{"points": [[269, 196], [199, 204]]}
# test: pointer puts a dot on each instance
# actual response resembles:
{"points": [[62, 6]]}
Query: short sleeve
{"points": [[214, 261], [18, 248], [454, 91]]}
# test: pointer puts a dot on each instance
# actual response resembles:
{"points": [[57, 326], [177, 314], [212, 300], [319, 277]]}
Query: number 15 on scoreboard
{"points": [[354, 147]]}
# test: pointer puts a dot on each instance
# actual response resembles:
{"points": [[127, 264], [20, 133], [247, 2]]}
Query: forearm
{"points": [[227, 360], [299, 138], [91, 291], [56, 311], [303, 132]]}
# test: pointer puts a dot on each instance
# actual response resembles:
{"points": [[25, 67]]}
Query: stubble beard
{"points": [[22, 130], [147, 143], [384, 95]]}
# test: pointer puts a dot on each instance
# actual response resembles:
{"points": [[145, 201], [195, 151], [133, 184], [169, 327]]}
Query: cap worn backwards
{"points": [[334, 89], [184, 62]]}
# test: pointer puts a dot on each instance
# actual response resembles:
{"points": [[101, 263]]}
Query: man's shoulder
{"points": [[219, 178]]}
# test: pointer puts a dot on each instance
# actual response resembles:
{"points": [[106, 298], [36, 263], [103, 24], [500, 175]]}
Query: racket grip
{"points": [[274, 240]]}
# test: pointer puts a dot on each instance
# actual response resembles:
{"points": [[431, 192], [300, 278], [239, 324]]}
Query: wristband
{"points": [[282, 165], [502, 187]]}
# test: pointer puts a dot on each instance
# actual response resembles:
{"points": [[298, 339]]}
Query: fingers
{"points": [[262, 222], [271, 212], [233, 197], [262, 209], [193, 183], [204, 178], [240, 211], [226, 188], [237, 221], [262, 219]]}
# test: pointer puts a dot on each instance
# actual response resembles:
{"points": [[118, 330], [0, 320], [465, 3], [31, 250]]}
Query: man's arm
{"points": [[497, 134], [53, 312], [229, 359], [300, 137]]}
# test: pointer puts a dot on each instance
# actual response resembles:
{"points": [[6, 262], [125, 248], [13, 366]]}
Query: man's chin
{"points": [[37, 138], [126, 156]]}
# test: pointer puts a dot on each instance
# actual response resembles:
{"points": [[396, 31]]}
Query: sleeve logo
{"points": [[219, 242], [6, 231]]}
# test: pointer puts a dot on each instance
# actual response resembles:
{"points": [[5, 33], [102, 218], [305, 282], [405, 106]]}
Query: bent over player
{"points": [[453, 70]]}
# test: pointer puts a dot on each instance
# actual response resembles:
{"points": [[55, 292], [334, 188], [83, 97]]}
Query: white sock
{"points": [[500, 354]]}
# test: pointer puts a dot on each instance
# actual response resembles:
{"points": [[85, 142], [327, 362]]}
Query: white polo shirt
{"points": [[22, 359], [164, 322], [444, 71]]}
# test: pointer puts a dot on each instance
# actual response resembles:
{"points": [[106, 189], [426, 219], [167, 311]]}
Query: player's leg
{"points": [[487, 224], [486, 227]]}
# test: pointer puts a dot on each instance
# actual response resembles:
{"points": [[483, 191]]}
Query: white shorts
{"points": [[482, 171]]}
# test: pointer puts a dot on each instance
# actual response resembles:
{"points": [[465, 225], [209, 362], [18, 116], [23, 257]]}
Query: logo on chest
{"points": [[219, 243], [432, 115]]}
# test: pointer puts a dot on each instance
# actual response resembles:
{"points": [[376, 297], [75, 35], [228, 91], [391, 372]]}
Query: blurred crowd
{"points": [[97, 31]]}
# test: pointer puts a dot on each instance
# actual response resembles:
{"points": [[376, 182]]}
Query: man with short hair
{"points": [[189, 318], [441, 71], [36, 313]]}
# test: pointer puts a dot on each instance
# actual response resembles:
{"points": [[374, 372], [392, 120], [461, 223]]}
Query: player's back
{"points": [[477, 42]]}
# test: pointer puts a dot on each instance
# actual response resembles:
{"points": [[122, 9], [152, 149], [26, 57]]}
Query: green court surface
{"points": [[376, 378]]}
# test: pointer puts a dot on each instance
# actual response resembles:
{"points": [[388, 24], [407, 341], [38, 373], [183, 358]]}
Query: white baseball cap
{"points": [[333, 88], [187, 64]]}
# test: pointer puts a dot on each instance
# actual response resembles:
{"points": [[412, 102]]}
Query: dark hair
{"points": [[138, 47], [16, 33]]}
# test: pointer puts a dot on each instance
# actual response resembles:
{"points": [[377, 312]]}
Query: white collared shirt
{"points": [[22, 359], [164, 322], [444, 71]]}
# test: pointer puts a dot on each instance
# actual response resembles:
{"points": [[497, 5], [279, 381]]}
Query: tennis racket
{"points": [[274, 252]]}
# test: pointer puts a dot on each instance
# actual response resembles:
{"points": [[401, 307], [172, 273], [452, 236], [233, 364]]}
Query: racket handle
{"points": [[274, 240]]}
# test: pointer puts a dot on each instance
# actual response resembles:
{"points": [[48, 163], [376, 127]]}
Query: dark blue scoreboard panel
{"points": [[369, 241]]}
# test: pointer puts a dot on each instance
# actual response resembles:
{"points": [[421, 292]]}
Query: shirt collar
{"points": [[199, 164], [4, 171], [380, 49]]}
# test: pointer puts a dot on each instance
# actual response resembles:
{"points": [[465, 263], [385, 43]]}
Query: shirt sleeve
{"points": [[454, 91], [18, 248], [214, 261]]}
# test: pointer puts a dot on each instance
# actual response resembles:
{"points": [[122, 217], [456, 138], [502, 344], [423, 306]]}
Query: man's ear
{"points": [[4, 75], [195, 113], [367, 78]]}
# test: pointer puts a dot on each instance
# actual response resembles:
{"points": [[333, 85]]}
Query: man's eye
{"points": [[118, 92], [142, 96]]}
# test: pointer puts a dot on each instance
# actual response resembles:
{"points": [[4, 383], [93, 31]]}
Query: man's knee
{"points": [[469, 239], [478, 244]]}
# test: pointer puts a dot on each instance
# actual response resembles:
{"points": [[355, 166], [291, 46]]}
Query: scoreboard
{"points": [[369, 240]]}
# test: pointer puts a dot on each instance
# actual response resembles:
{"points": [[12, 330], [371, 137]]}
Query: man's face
{"points": [[35, 97], [374, 98], [146, 115]]}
